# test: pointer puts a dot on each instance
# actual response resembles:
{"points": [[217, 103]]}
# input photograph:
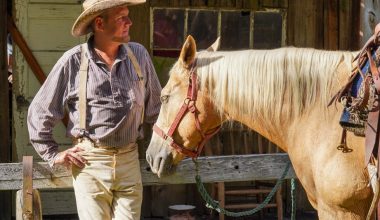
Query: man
{"points": [[120, 91]]}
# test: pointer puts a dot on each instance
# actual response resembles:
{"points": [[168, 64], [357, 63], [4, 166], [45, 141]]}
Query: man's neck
{"points": [[106, 50], [110, 48]]}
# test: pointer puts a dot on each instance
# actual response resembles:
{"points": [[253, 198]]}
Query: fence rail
{"points": [[211, 169]]}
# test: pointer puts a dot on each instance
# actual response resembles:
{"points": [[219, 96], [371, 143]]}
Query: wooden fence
{"points": [[211, 169]]}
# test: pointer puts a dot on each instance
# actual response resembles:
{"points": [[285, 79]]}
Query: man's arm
{"points": [[45, 111]]}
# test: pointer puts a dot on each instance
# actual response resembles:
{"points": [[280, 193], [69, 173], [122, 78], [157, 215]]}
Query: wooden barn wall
{"points": [[327, 24], [322, 24]]}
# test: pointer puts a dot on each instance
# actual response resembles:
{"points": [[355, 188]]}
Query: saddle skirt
{"points": [[353, 117]]}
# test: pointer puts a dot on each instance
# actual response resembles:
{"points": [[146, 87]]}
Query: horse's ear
{"points": [[188, 52], [215, 46]]}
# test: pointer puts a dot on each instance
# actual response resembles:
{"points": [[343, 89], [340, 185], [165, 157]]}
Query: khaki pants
{"points": [[109, 186]]}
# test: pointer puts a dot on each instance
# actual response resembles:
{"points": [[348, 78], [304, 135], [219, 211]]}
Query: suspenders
{"points": [[83, 72], [141, 78]]}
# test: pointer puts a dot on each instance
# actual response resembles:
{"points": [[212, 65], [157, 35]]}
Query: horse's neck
{"points": [[283, 127]]}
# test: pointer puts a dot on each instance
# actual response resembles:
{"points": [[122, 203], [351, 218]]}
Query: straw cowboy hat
{"points": [[93, 8]]}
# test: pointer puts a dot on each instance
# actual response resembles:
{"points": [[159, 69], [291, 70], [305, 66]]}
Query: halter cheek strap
{"points": [[187, 106]]}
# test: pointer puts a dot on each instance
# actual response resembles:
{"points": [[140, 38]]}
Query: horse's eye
{"points": [[164, 99]]}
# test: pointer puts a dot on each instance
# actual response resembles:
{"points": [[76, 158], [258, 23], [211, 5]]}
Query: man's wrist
{"points": [[52, 160]]}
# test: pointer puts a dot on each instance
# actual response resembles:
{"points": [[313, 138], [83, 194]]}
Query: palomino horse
{"points": [[283, 95]]}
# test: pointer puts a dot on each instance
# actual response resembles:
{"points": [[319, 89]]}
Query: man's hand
{"points": [[70, 157]]}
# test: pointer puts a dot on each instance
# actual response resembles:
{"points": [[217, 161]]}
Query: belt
{"points": [[101, 146]]}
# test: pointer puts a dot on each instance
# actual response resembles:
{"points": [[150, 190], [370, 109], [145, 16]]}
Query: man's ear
{"points": [[98, 23], [215, 46], [188, 52]]}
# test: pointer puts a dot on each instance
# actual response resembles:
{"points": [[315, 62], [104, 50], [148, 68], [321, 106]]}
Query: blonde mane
{"points": [[270, 84]]}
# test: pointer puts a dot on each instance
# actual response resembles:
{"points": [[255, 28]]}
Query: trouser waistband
{"points": [[87, 141]]}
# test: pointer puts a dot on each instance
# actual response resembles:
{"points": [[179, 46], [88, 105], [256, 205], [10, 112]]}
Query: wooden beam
{"points": [[4, 87], [211, 169], [5, 149], [29, 57]]}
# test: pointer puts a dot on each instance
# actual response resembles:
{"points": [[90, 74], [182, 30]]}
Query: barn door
{"points": [[45, 26]]}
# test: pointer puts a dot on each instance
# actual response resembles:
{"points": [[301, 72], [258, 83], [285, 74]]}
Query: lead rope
{"points": [[212, 204], [293, 185]]}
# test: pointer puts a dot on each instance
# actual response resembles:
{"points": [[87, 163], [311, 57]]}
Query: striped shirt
{"points": [[114, 100]]}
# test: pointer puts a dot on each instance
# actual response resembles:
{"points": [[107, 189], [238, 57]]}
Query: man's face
{"points": [[116, 24]]}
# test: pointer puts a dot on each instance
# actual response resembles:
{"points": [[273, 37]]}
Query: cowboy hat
{"points": [[92, 9]]}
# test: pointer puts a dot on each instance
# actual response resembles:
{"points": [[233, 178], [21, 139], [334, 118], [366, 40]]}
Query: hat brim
{"points": [[81, 25]]}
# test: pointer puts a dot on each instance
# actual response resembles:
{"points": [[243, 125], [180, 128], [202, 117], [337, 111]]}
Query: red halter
{"points": [[188, 106]]}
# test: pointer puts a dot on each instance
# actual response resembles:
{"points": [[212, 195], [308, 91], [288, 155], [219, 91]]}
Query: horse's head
{"points": [[187, 117]]}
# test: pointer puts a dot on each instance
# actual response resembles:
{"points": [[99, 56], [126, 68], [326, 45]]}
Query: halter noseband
{"points": [[187, 106]]}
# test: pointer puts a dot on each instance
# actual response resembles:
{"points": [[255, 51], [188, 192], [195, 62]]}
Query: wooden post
{"points": [[27, 187], [221, 198], [28, 202], [5, 151]]}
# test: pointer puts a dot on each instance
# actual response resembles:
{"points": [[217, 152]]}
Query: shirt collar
{"points": [[121, 55]]}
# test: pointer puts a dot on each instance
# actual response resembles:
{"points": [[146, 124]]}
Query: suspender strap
{"points": [[139, 74], [83, 87], [83, 70]]}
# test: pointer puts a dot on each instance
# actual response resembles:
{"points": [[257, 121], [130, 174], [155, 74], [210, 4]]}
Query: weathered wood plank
{"points": [[345, 24], [355, 22], [140, 31], [5, 152], [274, 3], [212, 169], [308, 31], [180, 3], [159, 3], [331, 31], [199, 3], [252, 4], [27, 186]]}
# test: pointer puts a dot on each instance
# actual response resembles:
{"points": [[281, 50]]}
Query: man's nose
{"points": [[128, 21]]}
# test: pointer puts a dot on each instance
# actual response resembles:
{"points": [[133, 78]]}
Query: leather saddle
{"points": [[361, 98]]}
